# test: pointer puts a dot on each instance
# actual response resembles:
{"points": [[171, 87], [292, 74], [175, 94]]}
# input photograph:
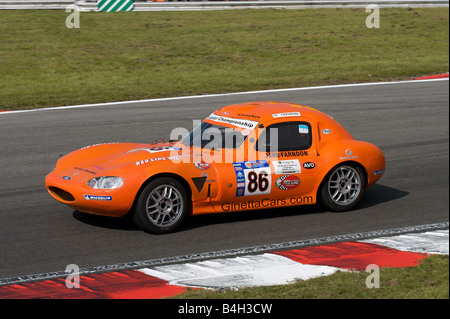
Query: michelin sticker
{"points": [[252, 178], [287, 167], [95, 197]]}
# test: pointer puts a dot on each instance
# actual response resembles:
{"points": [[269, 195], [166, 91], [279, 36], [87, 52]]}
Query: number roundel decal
{"points": [[257, 181], [252, 178]]}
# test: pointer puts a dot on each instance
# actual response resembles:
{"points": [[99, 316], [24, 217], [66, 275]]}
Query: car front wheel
{"points": [[162, 206], [343, 188]]}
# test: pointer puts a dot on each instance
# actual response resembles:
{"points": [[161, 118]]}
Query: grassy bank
{"points": [[141, 55], [429, 280]]}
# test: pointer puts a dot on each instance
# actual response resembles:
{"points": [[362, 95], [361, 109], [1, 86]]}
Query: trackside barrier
{"points": [[283, 4], [115, 5], [34, 4], [186, 5]]}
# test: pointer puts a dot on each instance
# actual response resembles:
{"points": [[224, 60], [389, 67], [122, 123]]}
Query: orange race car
{"points": [[246, 156]]}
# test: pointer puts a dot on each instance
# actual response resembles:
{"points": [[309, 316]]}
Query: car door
{"points": [[288, 147], [276, 170], [244, 183]]}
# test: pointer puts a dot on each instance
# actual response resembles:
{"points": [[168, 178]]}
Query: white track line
{"points": [[216, 95]]}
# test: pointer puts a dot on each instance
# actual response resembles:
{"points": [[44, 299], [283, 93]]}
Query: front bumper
{"points": [[73, 192]]}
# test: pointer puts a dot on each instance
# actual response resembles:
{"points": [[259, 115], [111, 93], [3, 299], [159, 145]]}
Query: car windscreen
{"points": [[211, 136]]}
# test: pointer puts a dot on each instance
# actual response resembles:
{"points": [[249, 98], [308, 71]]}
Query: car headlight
{"points": [[105, 182]]}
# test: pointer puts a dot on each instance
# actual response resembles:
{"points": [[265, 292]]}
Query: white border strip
{"points": [[238, 272], [6, 112], [432, 242]]}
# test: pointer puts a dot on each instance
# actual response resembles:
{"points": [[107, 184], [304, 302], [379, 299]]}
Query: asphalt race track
{"points": [[409, 121]]}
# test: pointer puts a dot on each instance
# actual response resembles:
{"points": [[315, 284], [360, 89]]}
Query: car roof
{"points": [[263, 111]]}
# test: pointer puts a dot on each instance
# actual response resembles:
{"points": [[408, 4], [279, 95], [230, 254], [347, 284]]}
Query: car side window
{"points": [[287, 136]]}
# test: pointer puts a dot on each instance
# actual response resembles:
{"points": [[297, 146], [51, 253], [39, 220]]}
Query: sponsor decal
{"points": [[287, 182], [309, 165], [252, 178], [157, 159], [286, 154], [287, 114], [95, 197], [157, 149], [348, 152], [267, 203], [287, 167], [206, 174], [83, 148], [250, 115], [202, 165], [378, 172], [236, 122], [85, 170], [303, 129]]}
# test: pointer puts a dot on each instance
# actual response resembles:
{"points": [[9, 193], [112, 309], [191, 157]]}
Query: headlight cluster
{"points": [[105, 182]]}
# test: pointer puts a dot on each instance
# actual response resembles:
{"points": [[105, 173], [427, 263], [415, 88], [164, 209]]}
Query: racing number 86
{"points": [[257, 181]]}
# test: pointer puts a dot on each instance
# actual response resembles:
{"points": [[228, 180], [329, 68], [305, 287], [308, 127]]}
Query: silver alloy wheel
{"points": [[344, 185], [164, 206]]}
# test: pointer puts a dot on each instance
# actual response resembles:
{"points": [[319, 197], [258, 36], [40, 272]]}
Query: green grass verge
{"points": [[429, 280], [124, 56]]}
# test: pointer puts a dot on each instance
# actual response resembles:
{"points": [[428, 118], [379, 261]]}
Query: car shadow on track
{"points": [[378, 194], [120, 223], [373, 196]]}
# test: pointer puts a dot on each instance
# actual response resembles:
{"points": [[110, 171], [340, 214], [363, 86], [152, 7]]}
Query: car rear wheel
{"points": [[162, 206], [343, 187]]}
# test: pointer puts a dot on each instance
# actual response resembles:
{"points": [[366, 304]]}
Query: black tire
{"points": [[343, 187], [162, 206]]}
